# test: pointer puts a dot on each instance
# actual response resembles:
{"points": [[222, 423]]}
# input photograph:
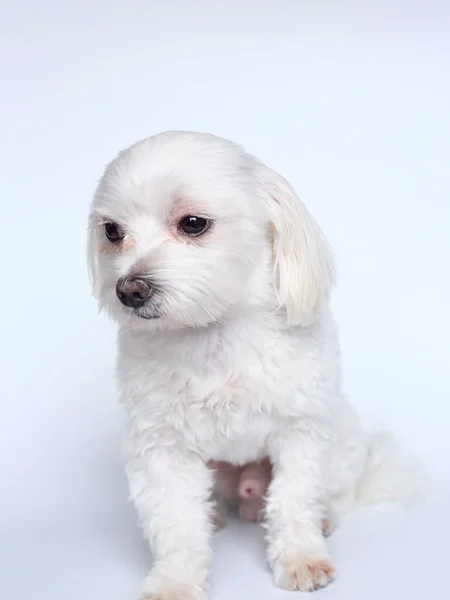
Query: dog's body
{"points": [[197, 388], [233, 356]]}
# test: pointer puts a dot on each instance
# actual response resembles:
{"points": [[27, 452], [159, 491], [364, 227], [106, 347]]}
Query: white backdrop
{"points": [[348, 100]]}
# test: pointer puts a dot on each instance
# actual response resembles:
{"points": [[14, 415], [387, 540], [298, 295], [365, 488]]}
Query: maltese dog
{"points": [[219, 279]]}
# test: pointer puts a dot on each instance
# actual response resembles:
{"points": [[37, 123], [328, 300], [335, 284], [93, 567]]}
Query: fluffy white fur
{"points": [[241, 363]]}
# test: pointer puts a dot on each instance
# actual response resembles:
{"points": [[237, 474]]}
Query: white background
{"points": [[348, 100]]}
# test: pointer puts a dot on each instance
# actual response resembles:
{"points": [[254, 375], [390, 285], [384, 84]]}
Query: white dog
{"points": [[219, 279]]}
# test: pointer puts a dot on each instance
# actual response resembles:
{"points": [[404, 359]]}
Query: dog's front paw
{"points": [[157, 587], [171, 593], [306, 573]]}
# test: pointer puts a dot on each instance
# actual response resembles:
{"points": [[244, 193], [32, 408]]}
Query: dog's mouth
{"points": [[146, 315]]}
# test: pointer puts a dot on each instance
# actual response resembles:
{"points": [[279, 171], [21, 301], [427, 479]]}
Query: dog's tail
{"points": [[389, 475]]}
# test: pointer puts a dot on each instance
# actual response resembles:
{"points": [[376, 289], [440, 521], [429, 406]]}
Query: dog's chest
{"points": [[224, 398], [231, 421], [229, 404]]}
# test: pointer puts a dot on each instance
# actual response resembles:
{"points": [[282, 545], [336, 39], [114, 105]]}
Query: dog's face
{"points": [[184, 229]]}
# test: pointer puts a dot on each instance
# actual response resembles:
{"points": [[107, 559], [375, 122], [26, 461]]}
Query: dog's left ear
{"points": [[302, 258]]}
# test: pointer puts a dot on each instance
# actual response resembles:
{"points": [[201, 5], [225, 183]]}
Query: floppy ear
{"points": [[92, 258], [302, 258]]}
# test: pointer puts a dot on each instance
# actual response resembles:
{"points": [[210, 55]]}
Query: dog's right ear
{"points": [[302, 259], [92, 256]]}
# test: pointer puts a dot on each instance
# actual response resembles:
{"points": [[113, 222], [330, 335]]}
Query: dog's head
{"points": [[185, 228]]}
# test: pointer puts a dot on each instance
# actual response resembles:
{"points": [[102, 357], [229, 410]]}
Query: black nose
{"points": [[133, 291]]}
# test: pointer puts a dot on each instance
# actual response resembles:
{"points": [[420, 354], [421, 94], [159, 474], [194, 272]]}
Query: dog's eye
{"points": [[194, 226], [113, 232]]}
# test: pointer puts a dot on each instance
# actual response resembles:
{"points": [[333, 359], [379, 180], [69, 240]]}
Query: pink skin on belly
{"points": [[247, 485]]}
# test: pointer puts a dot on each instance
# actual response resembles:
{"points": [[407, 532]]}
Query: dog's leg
{"points": [[219, 514], [171, 491], [295, 508]]}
